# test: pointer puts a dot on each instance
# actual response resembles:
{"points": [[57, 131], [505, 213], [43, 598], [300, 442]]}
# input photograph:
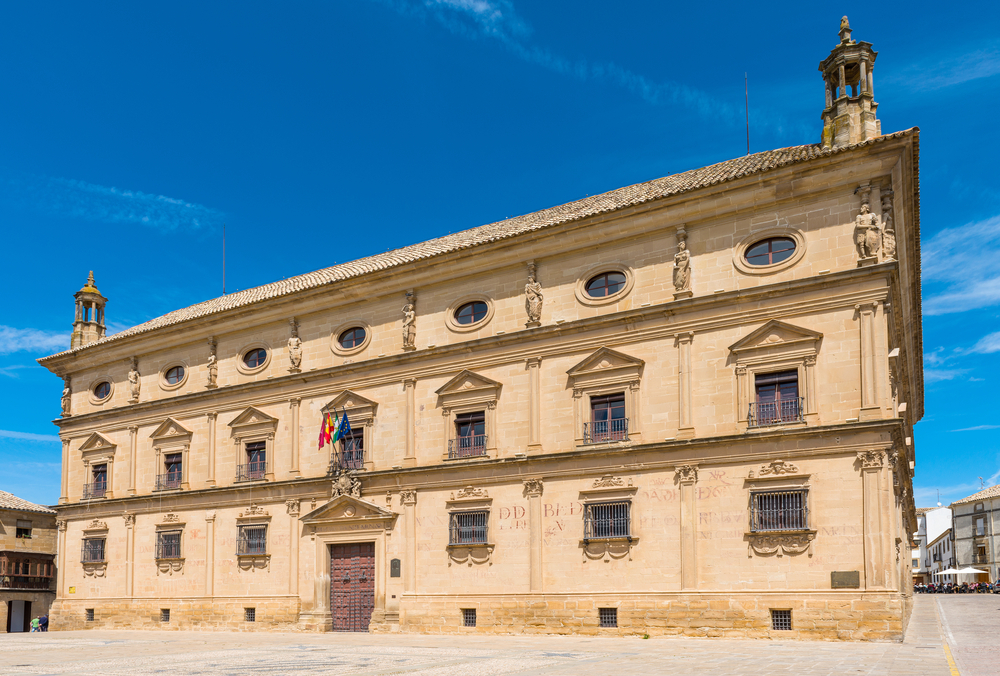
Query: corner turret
{"points": [[849, 115], [89, 323]]}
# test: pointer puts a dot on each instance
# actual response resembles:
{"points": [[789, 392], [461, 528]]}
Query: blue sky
{"points": [[320, 132]]}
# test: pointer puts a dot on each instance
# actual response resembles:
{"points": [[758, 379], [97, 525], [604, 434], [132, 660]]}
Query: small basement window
{"points": [[88, 614], [781, 620], [164, 614], [468, 617], [609, 617], [249, 614]]}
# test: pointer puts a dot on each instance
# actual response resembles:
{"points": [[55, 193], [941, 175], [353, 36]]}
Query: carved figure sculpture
{"points": [[682, 267], [409, 322], [133, 383], [294, 347], [213, 369], [533, 297], [867, 235], [344, 483], [67, 399], [888, 232]]}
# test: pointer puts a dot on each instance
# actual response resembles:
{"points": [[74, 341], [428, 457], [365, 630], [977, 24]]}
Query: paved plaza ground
{"points": [[949, 635]]}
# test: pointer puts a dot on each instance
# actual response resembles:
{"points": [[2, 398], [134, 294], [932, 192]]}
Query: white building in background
{"points": [[975, 532], [932, 522]]}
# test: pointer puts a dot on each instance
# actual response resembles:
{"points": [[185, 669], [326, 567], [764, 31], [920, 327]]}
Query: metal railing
{"points": [[778, 510], [467, 447], [168, 481], [606, 520], [352, 457], [468, 528], [96, 489], [251, 471], [775, 412], [980, 558], [92, 551], [252, 541], [605, 430], [937, 557]]}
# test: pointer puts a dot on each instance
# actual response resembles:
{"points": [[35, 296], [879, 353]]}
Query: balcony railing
{"points": [[25, 582], [251, 471], [467, 447], [352, 457], [168, 481], [775, 412], [96, 489], [980, 558], [605, 430]]}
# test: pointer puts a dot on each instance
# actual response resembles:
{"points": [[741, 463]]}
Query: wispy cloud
{"points": [[31, 340], [965, 260], [987, 344], [12, 371], [938, 375], [936, 72], [498, 20], [97, 203], [29, 436], [978, 427]]}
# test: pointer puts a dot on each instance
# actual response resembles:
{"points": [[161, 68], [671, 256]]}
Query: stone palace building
{"points": [[680, 407]]}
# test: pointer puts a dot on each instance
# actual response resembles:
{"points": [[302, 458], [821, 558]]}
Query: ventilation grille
{"points": [[89, 614], [164, 614], [249, 614], [469, 617], [781, 620], [609, 617]]}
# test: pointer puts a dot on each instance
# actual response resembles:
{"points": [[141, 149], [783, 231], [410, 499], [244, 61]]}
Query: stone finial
{"points": [[845, 31]]}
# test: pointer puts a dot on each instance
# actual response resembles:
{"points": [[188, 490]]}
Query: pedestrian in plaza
{"points": [[43, 623], [34, 625]]}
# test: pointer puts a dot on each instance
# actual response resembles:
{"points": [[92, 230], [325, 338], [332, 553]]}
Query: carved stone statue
{"points": [[682, 267], [888, 232], [409, 322], [867, 234], [67, 398], [345, 483], [213, 364], [294, 348], [533, 298], [133, 382]]}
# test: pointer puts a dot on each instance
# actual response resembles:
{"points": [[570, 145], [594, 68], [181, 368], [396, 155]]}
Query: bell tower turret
{"points": [[89, 323], [849, 115]]}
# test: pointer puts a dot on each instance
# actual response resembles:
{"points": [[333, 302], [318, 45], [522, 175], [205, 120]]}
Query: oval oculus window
{"points": [[102, 390], [770, 251], [255, 357], [473, 312], [174, 375], [605, 284], [352, 338]]}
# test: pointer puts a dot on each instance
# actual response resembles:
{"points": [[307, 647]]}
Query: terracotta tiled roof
{"points": [[985, 494], [11, 501], [594, 205]]}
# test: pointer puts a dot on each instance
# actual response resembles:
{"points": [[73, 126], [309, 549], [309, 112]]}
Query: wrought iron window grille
{"points": [[779, 511], [252, 541], [249, 614], [93, 550], [781, 620], [469, 528], [608, 617], [607, 521], [468, 617], [168, 545]]}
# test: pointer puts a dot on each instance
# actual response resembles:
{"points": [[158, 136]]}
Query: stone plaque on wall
{"points": [[845, 579], [394, 568]]}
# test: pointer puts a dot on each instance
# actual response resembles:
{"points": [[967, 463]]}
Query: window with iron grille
{"points": [[164, 614], [778, 399], [778, 510], [606, 520], [88, 614], [352, 454], [468, 617], [469, 527], [781, 620], [609, 617], [168, 545], [252, 540], [93, 550], [249, 614]]}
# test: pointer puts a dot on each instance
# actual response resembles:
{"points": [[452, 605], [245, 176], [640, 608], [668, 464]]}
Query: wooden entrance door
{"points": [[352, 585]]}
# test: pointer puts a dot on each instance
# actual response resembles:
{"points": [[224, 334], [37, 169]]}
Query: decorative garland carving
{"points": [[871, 459], [292, 506], [470, 554], [776, 468], [470, 492], [95, 568], [171, 518], [252, 510], [97, 525], [686, 474], [408, 497], [609, 481], [781, 543], [169, 566], [129, 519]]}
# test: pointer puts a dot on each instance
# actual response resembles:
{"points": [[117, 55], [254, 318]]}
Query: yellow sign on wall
{"points": [[72, 590]]}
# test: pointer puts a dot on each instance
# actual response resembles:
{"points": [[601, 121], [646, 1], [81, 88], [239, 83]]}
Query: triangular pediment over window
{"points": [[349, 511], [608, 365], [169, 429], [97, 442], [252, 416], [467, 381], [777, 334], [353, 403]]}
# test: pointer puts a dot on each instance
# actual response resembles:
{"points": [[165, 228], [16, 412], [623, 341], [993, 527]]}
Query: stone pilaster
{"points": [[686, 476], [410, 459], [294, 404], [872, 466], [133, 434], [293, 546], [870, 409], [534, 404], [210, 553], [129, 555], [211, 448], [64, 485], [409, 500], [685, 425], [533, 491]]}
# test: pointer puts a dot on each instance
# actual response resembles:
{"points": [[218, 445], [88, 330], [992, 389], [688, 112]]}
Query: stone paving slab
{"points": [[114, 653]]}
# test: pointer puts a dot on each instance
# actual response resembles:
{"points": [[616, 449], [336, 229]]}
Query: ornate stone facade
{"points": [[618, 451]]}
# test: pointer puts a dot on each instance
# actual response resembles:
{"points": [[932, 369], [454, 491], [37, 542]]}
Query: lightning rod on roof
{"points": [[223, 259], [746, 101]]}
